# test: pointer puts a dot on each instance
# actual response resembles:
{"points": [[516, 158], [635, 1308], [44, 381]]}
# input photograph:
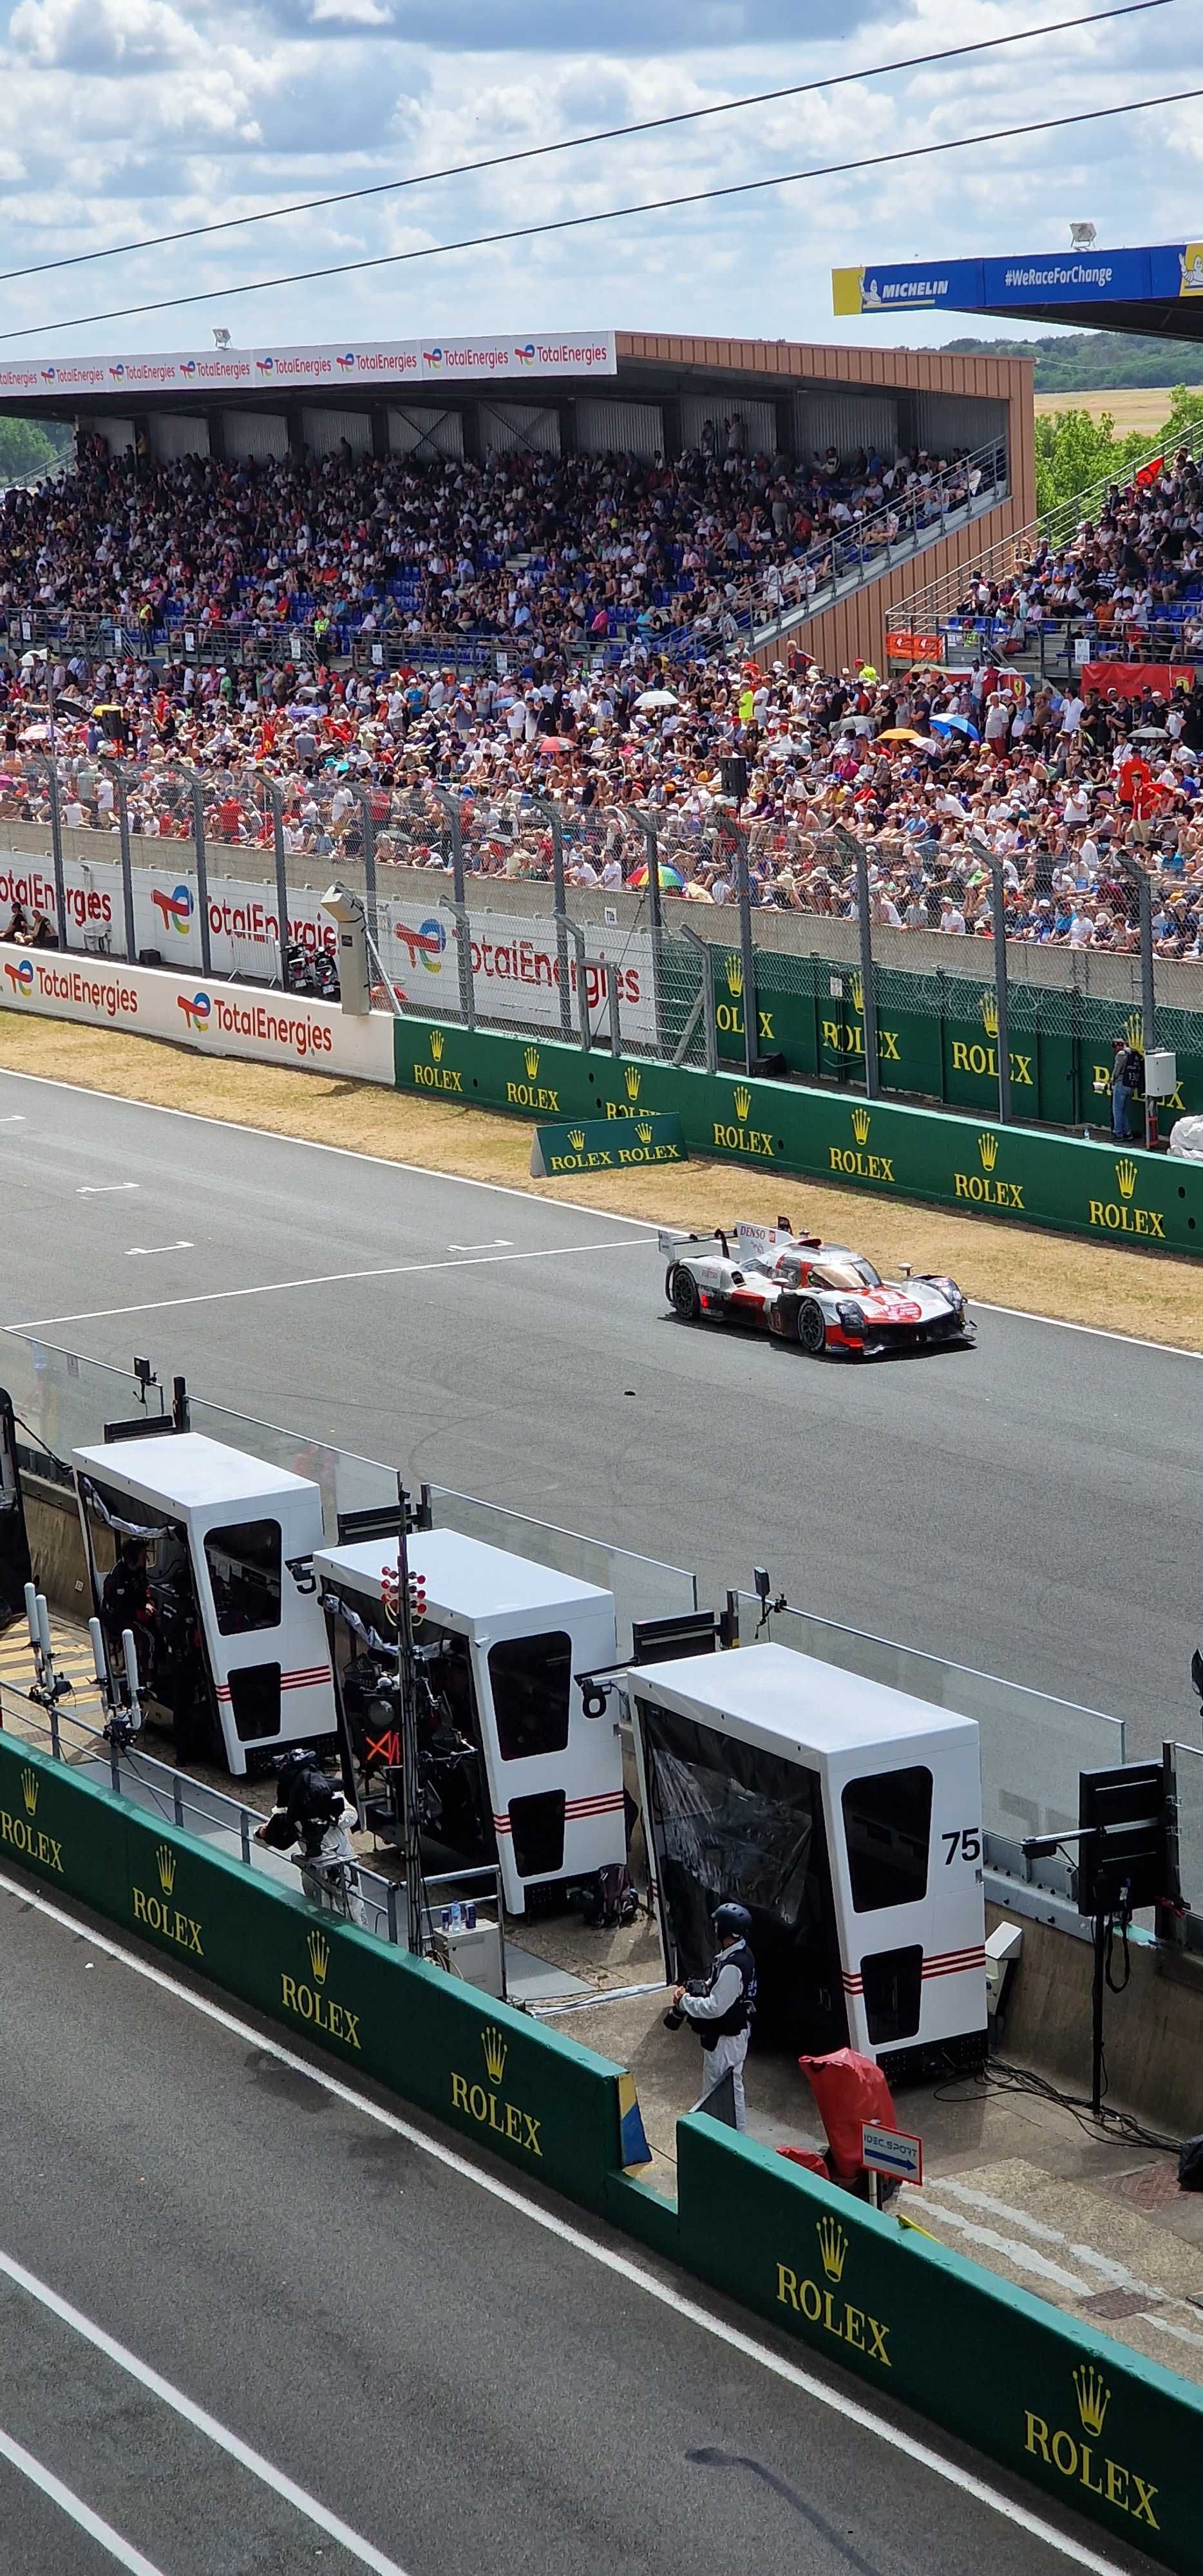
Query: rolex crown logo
{"points": [[1134, 1031], [576, 1138], [857, 991], [989, 1015], [319, 1956], [165, 1863], [860, 1126], [743, 1102], [531, 1061], [987, 1147], [1125, 1177], [437, 1043], [30, 1785], [496, 2051], [735, 977], [1094, 2397], [632, 1079], [833, 2247], [645, 1131]]}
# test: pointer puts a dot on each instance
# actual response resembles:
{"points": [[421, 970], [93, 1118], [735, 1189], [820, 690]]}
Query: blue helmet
{"points": [[732, 1918]]}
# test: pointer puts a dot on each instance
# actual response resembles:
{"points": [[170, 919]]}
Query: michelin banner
{"points": [[215, 1019], [1074, 278], [515, 964]]}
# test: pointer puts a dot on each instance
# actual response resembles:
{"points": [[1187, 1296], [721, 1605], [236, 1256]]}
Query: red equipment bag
{"points": [[803, 2156], [849, 2090]]}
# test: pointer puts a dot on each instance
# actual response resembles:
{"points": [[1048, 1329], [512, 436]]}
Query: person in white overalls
{"points": [[723, 2006]]}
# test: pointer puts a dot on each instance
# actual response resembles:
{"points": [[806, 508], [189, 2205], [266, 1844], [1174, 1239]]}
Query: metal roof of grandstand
{"points": [[1156, 288]]}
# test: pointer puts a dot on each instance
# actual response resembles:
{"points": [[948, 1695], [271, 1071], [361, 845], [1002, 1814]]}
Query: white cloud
{"points": [[124, 118]]}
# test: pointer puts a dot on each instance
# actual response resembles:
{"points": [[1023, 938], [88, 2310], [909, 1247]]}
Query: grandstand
{"points": [[641, 397]]}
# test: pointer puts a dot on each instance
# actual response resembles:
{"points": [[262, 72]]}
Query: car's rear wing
{"points": [[749, 1236], [671, 1244]]}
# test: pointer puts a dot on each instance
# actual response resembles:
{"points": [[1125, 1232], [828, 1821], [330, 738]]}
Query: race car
{"points": [[822, 1295]]}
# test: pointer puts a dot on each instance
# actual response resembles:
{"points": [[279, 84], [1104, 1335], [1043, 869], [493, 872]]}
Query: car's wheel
{"points": [[684, 1293], [812, 1328]]}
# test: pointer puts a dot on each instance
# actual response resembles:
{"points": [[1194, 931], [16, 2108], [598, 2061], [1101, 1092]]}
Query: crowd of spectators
{"points": [[521, 548], [1130, 580], [939, 773]]}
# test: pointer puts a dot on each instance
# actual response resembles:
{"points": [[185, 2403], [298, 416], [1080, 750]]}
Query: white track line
{"points": [[508, 1190], [834, 2399], [314, 1145], [236, 2449], [79, 2512], [325, 1279]]}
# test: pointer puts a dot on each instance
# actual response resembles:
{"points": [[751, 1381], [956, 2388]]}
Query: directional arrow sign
{"points": [[144, 1251], [892, 2151]]}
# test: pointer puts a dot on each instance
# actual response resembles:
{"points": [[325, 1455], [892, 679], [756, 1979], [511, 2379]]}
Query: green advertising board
{"points": [[937, 1035], [1113, 1194], [608, 1145], [1087, 2421]]}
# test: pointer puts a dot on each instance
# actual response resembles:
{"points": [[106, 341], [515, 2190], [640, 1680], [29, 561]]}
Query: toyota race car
{"points": [[804, 1290]]}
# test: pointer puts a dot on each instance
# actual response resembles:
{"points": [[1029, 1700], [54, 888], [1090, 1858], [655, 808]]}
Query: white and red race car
{"points": [[818, 1294]]}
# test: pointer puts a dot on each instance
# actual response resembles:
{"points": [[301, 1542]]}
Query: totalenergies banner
{"points": [[1075, 278], [436, 361], [216, 1019]]}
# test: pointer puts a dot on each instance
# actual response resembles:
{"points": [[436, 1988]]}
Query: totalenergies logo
{"points": [[425, 945], [346, 362], [196, 1009], [526, 356], [21, 978], [49, 375], [432, 357], [118, 371], [265, 365], [187, 366], [176, 908]]}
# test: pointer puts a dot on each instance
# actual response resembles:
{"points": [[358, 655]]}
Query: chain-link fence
{"points": [[808, 953]]}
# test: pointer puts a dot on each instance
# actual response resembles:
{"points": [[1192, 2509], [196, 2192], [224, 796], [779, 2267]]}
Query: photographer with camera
{"points": [[722, 2006], [311, 1811]]}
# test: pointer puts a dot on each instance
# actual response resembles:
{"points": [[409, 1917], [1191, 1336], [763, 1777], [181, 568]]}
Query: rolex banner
{"points": [[1090, 2423], [1108, 1192], [608, 1145], [550, 2108]]}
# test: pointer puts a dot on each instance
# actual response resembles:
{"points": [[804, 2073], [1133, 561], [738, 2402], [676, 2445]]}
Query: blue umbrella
{"points": [[955, 724]]}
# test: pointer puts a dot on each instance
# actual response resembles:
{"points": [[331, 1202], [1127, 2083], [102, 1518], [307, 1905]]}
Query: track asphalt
{"points": [[400, 2349], [1030, 1508]]}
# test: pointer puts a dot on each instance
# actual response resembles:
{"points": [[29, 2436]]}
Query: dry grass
{"points": [[1158, 1298], [1131, 406]]}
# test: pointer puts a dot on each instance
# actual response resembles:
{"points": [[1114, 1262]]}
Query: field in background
{"points": [[1131, 406]]}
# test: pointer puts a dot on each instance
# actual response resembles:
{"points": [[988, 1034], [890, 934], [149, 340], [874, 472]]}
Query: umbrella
{"points": [[900, 733], [556, 742], [1151, 733], [671, 879], [36, 733], [955, 724], [657, 698]]}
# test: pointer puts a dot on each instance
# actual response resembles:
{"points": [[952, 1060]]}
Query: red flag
{"points": [[1149, 473]]}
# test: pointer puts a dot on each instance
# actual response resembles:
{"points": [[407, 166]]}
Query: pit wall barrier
{"points": [[1112, 1193], [550, 2108], [213, 1018], [1089, 2423]]}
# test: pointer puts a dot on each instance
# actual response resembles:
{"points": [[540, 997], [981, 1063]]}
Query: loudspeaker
{"points": [[770, 1067], [150, 957]]}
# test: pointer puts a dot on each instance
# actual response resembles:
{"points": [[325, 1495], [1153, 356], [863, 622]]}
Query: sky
{"points": [[120, 119]]}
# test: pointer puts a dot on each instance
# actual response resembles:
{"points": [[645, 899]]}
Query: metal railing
{"points": [[834, 960], [225, 1822]]}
